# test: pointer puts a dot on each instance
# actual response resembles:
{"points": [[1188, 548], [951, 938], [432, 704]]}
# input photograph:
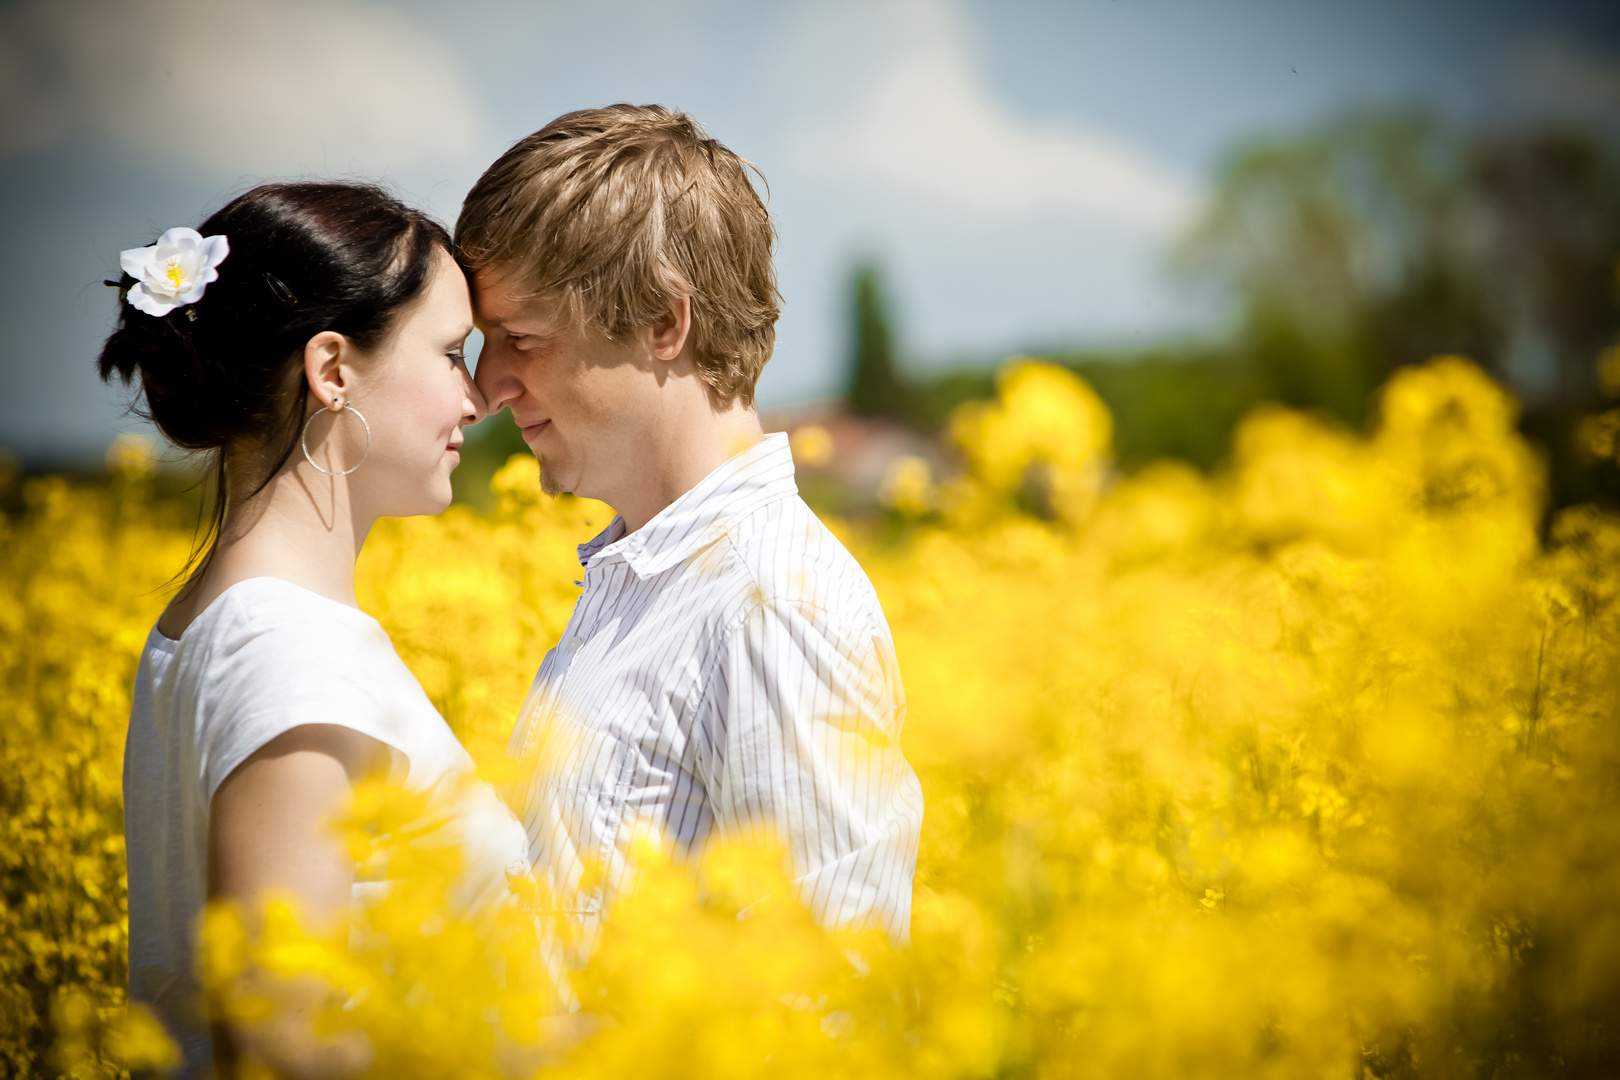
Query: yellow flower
{"points": [[908, 486], [1301, 768], [812, 446]]}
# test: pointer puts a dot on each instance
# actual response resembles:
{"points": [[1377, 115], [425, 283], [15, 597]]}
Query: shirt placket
{"points": [[561, 659]]}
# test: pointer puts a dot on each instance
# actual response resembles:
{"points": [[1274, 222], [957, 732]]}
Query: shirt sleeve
{"points": [[809, 715], [277, 677]]}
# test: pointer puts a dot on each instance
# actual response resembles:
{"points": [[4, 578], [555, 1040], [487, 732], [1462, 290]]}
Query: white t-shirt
{"points": [[265, 657]]}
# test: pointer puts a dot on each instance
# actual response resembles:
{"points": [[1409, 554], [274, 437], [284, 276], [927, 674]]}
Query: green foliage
{"points": [[1167, 403], [1369, 245], [1171, 403], [490, 444], [1315, 236], [876, 386], [1380, 241], [933, 399]]}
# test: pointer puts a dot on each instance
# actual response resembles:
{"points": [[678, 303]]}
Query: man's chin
{"points": [[548, 481]]}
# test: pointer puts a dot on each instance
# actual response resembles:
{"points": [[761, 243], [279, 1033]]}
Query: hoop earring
{"points": [[303, 441]]}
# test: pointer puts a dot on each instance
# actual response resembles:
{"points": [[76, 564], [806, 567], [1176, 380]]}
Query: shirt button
{"points": [[571, 646]]}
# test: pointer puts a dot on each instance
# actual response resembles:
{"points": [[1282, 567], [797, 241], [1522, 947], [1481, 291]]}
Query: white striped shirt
{"points": [[726, 673]]}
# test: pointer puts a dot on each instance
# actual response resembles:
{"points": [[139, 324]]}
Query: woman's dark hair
{"points": [[219, 373]]}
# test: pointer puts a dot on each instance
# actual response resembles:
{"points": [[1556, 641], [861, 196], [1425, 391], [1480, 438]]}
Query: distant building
{"points": [[844, 460]]}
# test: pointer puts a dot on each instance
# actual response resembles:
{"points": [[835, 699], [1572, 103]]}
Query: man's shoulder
{"points": [[791, 557]]}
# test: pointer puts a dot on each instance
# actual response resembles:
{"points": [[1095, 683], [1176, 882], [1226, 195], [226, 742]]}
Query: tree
{"points": [[876, 386], [1380, 241]]}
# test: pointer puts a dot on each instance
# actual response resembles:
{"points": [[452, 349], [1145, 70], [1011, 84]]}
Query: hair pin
{"points": [[279, 287]]}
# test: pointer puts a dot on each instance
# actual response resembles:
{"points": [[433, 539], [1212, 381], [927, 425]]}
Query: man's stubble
{"points": [[548, 483]]}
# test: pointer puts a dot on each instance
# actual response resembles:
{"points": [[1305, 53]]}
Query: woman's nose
{"points": [[488, 381], [476, 407]]}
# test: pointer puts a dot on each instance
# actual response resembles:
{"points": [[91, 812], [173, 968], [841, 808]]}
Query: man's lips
{"points": [[531, 430]]}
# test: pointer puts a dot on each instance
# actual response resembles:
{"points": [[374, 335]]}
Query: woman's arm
{"points": [[270, 832]]}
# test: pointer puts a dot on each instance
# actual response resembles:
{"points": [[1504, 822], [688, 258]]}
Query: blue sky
{"points": [[1019, 169]]}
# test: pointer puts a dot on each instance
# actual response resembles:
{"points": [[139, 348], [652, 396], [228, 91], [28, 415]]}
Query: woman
{"points": [[309, 337]]}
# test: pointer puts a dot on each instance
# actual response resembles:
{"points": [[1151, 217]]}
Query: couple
{"points": [[727, 670]]}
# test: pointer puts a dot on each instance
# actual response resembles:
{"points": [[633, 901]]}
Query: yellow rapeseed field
{"points": [[1309, 769]]}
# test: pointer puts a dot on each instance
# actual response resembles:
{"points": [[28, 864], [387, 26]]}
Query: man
{"points": [[727, 672]]}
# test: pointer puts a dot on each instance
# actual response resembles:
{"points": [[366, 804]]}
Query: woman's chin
{"points": [[438, 492], [433, 498], [442, 499]]}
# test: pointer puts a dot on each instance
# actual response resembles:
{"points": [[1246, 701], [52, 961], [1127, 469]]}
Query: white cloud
{"points": [[932, 123], [258, 86]]}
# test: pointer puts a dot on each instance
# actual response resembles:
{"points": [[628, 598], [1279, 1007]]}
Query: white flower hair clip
{"points": [[174, 271]]}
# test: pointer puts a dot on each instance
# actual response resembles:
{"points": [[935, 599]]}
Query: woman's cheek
{"points": [[428, 413], [400, 431]]}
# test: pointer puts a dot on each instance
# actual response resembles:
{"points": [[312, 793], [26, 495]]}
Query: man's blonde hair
{"points": [[617, 213]]}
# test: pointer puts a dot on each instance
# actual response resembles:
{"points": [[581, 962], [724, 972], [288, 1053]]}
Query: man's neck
{"points": [[685, 447]]}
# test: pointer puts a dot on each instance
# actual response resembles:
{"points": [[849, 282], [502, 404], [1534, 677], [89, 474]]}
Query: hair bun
{"points": [[303, 258]]}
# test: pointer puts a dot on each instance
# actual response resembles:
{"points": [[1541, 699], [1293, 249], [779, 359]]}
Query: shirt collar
{"points": [[760, 474]]}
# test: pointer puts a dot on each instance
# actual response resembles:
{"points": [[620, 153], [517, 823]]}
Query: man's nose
{"points": [[493, 378]]}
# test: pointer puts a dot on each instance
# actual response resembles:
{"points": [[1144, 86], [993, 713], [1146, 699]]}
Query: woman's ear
{"points": [[324, 356], [670, 331]]}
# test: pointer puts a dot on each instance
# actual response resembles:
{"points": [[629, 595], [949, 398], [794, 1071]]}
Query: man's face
{"points": [[580, 398]]}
